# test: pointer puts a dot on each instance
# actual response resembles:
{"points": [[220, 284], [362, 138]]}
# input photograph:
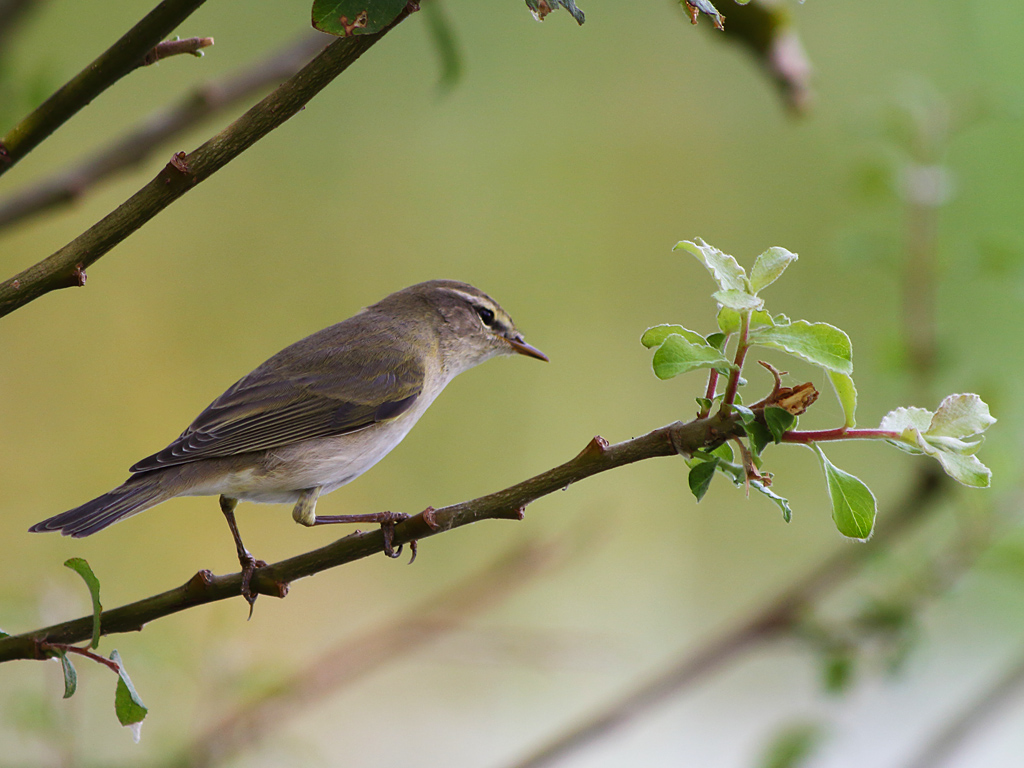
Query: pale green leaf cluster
{"points": [[952, 435]]}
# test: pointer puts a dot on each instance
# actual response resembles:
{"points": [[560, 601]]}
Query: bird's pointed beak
{"points": [[523, 348]]}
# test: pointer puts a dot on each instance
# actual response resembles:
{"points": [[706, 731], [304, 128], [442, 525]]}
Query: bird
{"points": [[317, 414]]}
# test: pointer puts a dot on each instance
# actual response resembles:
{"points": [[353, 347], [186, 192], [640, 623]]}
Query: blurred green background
{"points": [[556, 176]]}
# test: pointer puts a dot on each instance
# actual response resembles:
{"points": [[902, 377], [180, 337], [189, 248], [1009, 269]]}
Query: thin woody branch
{"points": [[138, 145], [184, 172], [508, 504], [113, 64], [191, 45]]}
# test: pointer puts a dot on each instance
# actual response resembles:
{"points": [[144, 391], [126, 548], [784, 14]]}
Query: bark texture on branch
{"points": [[508, 504]]}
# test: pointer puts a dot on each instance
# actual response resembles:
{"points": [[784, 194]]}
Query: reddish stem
{"points": [[741, 354], [840, 433], [81, 652]]}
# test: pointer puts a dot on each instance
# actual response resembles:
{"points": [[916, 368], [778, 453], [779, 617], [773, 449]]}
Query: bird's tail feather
{"points": [[139, 493]]}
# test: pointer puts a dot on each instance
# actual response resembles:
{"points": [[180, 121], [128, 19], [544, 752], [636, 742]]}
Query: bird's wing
{"points": [[318, 387]]}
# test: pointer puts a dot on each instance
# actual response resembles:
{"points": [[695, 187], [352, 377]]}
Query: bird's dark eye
{"points": [[486, 316]]}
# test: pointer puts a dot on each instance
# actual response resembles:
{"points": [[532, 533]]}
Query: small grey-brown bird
{"points": [[317, 414]]}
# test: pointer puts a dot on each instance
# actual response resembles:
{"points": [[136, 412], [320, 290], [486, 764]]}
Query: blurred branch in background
{"points": [[137, 145], [13, 13], [951, 735], [66, 267], [122, 57], [354, 658], [781, 616]]}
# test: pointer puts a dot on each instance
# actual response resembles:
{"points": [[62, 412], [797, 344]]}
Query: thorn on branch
{"points": [[429, 518], [199, 583], [179, 162], [596, 447], [74, 279], [190, 45]]}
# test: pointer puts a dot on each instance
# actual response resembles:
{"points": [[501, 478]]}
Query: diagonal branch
{"points": [[134, 147], [509, 504], [65, 268], [113, 64]]}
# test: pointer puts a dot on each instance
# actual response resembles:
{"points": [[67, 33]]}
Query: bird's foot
{"points": [[388, 521], [249, 565]]}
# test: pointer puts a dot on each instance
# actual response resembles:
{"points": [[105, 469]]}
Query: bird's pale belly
{"points": [[280, 475]]}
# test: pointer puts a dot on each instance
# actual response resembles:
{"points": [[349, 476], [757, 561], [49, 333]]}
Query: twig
{"points": [[508, 504], [192, 45], [66, 648], [139, 144], [65, 268], [357, 657], [779, 616], [113, 64]]}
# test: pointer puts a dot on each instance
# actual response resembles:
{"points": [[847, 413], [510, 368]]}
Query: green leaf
{"points": [[344, 18], [759, 436], [729, 319], [676, 355], [541, 8], [700, 477], [847, 394], [820, 344], [738, 300], [779, 421], [769, 267], [4, 634], [70, 676], [792, 747], [443, 37], [127, 705], [747, 416], [783, 504], [904, 419], [81, 567], [656, 336], [940, 435], [967, 470], [853, 503], [723, 268], [724, 452], [716, 340], [960, 416]]}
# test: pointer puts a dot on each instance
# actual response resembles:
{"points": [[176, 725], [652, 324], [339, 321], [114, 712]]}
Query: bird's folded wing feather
{"points": [[307, 391]]}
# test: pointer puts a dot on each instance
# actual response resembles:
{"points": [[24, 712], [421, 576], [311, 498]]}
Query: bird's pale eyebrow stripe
{"points": [[467, 296]]}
